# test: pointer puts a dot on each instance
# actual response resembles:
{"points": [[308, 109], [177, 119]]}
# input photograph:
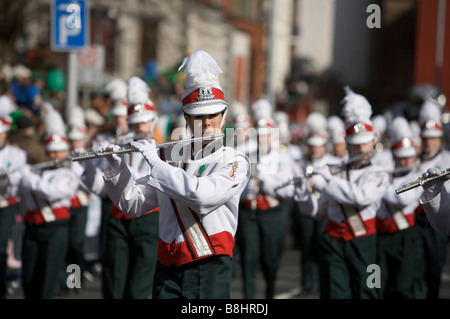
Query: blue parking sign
{"points": [[69, 25]]}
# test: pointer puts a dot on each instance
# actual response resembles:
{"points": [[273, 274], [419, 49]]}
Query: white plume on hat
{"points": [[356, 108], [137, 91], [262, 109], [357, 112], [140, 108], [202, 70], [379, 123], [203, 94], [116, 89], [316, 127], [282, 120], [241, 117], [430, 119], [401, 138], [77, 124], [336, 129], [55, 139]]}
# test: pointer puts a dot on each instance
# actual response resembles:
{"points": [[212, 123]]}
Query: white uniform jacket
{"points": [[48, 195], [12, 159], [352, 200], [397, 210], [198, 203], [438, 210]]}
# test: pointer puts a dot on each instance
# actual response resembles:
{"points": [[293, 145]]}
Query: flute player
{"points": [[197, 193]]}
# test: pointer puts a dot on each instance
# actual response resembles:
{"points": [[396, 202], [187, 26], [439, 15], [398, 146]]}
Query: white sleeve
{"points": [[205, 193], [363, 192], [132, 197], [438, 211]]}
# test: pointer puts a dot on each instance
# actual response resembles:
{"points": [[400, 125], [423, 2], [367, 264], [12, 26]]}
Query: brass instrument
{"points": [[422, 180], [129, 149]]}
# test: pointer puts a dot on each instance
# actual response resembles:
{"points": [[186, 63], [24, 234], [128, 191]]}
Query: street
{"points": [[287, 286]]}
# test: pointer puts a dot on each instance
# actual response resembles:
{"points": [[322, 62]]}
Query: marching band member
{"points": [[432, 246], [47, 199], [397, 239], [11, 159], [77, 138], [382, 155], [350, 199], [263, 213], [316, 156], [336, 131], [131, 243], [436, 201], [197, 189]]}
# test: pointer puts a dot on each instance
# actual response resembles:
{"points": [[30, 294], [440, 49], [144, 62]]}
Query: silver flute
{"points": [[299, 179], [422, 180], [335, 168], [39, 166], [129, 149]]}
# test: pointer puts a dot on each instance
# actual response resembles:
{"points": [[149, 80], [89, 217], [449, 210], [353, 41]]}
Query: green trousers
{"points": [[343, 267], [7, 215], [396, 258], [207, 278], [430, 259], [43, 254], [260, 241], [130, 255]]}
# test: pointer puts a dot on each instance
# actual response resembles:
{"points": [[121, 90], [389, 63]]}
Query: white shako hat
{"points": [[5, 123], [241, 117], [203, 94], [117, 92], [282, 120], [55, 137], [356, 112], [401, 138], [77, 124], [336, 129], [263, 116], [430, 120], [316, 129], [140, 108]]}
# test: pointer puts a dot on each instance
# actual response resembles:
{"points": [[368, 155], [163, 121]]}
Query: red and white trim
{"points": [[140, 107], [203, 94], [357, 128]]}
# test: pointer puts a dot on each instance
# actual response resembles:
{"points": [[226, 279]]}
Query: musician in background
{"points": [[77, 138], [263, 213], [350, 200], [131, 244], [310, 229], [397, 239], [47, 197], [197, 189], [336, 131], [436, 200], [432, 246], [11, 160]]}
